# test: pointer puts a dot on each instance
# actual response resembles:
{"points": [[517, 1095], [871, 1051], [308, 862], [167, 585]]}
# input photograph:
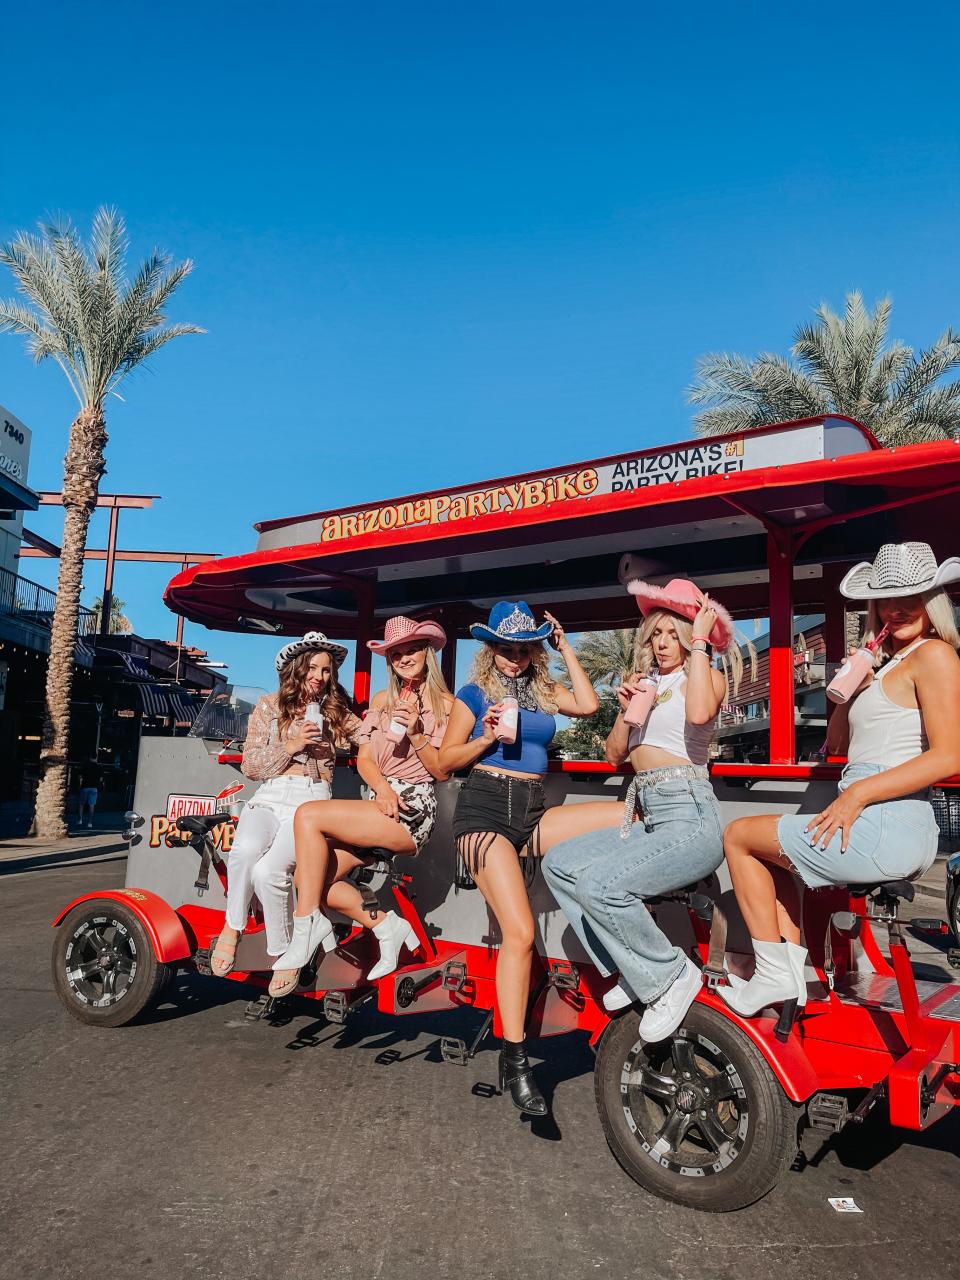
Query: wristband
{"points": [[424, 743], [705, 639]]}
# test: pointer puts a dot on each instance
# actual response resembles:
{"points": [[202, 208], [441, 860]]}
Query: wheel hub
{"points": [[688, 1098]]}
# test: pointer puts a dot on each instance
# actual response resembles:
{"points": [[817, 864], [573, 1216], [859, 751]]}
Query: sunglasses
{"points": [[512, 650]]}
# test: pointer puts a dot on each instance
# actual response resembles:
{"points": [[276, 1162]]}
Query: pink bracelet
{"points": [[705, 639]]}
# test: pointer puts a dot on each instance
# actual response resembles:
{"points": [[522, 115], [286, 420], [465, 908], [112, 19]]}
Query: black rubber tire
{"points": [[139, 975], [755, 1117], [953, 911]]}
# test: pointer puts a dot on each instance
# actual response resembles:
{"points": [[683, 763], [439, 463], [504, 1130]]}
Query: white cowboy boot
{"points": [[392, 933], [309, 932], [798, 962], [774, 980]]}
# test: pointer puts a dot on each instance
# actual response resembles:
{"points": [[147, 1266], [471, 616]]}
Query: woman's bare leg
{"points": [[358, 823], [566, 821], [501, 883], [762, 880]]}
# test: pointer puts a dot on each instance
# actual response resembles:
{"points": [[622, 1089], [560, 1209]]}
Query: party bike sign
{"points": [[649, 468]]}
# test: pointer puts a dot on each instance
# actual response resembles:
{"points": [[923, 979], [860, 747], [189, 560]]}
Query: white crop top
{"points": [[667, 726], [881, 732]]}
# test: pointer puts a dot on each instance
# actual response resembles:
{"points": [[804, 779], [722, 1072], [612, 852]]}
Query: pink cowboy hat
{"points": [[685, 598], [403, 630]]}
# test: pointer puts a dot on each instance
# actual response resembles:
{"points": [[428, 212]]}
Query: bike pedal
{"points": [[828, 1112], [563, 975], [335, 1007], [259, 1008], [953, 957], [202, 961], [453, 1050], [454, 975], [930, 924]]}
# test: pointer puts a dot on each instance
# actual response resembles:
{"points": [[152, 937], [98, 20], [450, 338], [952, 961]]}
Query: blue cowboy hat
{"points": [[510, 622]]}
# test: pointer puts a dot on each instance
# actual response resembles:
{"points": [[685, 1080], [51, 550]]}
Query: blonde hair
{"points": [[644, 661], [434, 686], [485, 676], [939, 611]]}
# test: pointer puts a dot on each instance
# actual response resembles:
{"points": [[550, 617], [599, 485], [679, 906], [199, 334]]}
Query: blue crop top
{"points": [[535, 732]]}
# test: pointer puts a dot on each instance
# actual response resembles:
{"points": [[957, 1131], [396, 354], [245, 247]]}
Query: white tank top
{"points": [[668, 728], [881, 732]]}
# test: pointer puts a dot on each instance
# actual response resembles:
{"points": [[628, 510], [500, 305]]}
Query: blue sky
{"points": [[436, 242]]}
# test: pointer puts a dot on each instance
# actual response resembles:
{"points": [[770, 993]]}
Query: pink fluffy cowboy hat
{"points": [[405, 631], [683, 597]]}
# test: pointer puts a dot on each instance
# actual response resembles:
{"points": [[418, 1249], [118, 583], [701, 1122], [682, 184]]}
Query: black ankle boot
{"points": [[517, 1074]]}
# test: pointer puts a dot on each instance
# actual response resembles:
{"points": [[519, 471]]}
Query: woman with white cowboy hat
{"points": [[500, 810], [900, 733], [671, 831], [294, 761], [398, 762]]}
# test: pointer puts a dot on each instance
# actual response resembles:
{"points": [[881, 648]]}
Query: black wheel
{"points": [[953, 908], [699, 1118], [104, 967]]}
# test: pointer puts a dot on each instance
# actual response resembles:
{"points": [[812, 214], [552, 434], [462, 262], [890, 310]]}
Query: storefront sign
{"points": [[11, 467], [180, 806], [723, 456]]}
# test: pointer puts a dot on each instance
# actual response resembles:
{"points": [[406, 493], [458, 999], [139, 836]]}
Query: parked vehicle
{"points": [[710, 1117]]}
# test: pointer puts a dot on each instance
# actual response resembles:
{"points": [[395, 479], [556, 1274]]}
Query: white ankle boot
{"points": [[776, 978], [392, 933], [617, 997], [309, 932], [798, 963]]}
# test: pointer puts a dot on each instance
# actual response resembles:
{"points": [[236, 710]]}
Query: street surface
{"points": [[201, 1145]]}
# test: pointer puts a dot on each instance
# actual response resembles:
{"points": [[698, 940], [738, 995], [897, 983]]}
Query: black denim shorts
{"points": [[496, 804]]}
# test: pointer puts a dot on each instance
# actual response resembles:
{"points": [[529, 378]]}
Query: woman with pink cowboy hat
{"points": [[900, 733], [671, 835], [399, 764]]}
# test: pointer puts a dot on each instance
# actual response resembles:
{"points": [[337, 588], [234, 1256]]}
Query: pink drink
{"points": [[395, 730], [641, 704], [509, 719], [854, 671]]}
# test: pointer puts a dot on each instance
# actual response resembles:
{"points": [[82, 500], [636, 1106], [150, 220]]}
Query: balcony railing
{"points": [[29, 602]]}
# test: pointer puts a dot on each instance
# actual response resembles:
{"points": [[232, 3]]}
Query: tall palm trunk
{"points": [[83, 466]]}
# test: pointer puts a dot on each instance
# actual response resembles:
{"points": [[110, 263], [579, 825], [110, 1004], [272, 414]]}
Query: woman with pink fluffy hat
{"points": [[672, 833]]}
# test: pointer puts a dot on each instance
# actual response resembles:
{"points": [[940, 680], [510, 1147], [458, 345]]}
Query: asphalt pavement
{"points": [[198, 1143]]}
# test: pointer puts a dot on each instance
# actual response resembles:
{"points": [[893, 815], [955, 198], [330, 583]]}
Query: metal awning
{"points": [[703, 509]]}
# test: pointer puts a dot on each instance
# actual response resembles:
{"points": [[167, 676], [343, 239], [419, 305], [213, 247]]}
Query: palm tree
{"points": [[119, 623], [606, 656], [83, 312], [839, 365]]}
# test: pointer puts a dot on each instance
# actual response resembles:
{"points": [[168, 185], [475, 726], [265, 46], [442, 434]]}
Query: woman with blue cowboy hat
{"points": [[293, 759], [500, 811], [900, 733]]}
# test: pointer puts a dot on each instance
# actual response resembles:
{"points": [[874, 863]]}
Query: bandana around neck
{"points": [[521, 688]]}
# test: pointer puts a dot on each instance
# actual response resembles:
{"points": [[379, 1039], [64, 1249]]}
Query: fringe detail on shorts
{"points": [[473, 848], [530, 857]]}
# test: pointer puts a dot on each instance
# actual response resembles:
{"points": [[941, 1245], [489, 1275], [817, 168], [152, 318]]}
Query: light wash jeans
{"points": [[263, 858], [601, 879]]}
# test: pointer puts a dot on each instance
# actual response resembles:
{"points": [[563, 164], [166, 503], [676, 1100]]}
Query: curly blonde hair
{"points": [[485, 676]]}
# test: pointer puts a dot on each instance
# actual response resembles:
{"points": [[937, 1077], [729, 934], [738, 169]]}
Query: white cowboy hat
{"points": [[900, 569], [312, 642]]}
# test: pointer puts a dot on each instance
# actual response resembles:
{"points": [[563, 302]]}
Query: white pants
{"points": [[262, 859]]}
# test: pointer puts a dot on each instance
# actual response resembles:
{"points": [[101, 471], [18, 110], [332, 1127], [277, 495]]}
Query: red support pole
{"points": [[448, 658], [835, 625], [780, 552], [363, 658]]}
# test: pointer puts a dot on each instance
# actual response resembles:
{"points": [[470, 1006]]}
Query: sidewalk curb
{"points": [[59, 857]]}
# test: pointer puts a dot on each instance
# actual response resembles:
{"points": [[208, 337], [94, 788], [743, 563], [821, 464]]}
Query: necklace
{"points": [[665, 693]]}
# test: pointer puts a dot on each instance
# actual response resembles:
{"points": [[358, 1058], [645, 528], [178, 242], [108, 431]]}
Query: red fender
{"points": [[164, 927], [787, 1059]]}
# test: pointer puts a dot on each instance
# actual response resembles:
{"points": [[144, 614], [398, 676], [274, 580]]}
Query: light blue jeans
{"points": [[601, 879]]}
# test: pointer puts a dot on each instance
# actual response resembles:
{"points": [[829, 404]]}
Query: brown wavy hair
{"points": [[484, 675], [294, 696]]}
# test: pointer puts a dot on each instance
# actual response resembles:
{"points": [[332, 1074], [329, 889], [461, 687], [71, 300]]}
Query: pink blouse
{"points": [[398, 759], [264, 755]]}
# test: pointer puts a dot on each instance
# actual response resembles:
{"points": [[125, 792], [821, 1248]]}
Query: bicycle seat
{"points": [[198, 824], [892, 888]]}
